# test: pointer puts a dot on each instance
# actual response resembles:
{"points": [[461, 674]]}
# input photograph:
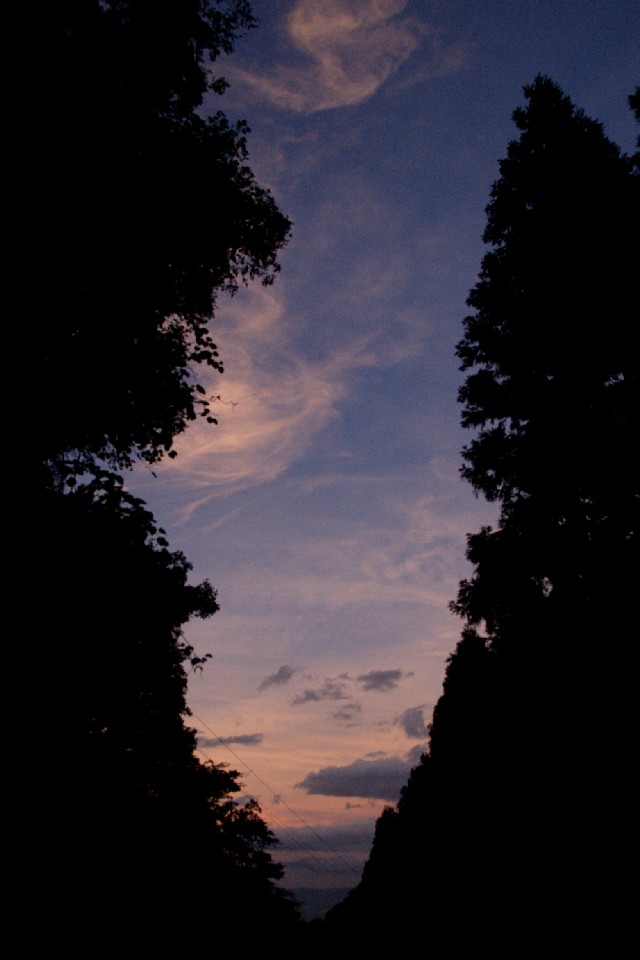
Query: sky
{"points": [[326, 507]]}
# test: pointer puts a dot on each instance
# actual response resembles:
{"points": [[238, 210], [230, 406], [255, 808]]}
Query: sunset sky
{"points": [[326, 507]]}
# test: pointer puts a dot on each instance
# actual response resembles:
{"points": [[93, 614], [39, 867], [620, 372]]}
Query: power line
{"points": [[351, 868], [316, 864]]}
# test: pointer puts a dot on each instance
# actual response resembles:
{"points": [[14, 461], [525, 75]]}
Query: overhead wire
{"points": [[350, 867]]}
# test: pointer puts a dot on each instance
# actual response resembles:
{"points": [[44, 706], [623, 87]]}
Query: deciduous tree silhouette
{"points": [[131, 812], [145, 210]]}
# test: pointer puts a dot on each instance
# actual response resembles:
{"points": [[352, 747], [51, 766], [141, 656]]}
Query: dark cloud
{"points": [[282, 675], [245, 738], [307, 697], [412, 722], [347, 714], [383, 680], [380, 779], [416, 752], [329, 691]]}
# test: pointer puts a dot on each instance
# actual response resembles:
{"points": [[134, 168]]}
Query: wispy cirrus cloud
{"points": [[270, 403], [347, 50]]}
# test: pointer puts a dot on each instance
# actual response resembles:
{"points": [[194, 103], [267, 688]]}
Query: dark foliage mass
{"points": [[510, 833], [133, 818], [144, 211]]}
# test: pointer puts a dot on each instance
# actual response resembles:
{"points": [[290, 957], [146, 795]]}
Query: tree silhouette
{"points": [[144, 212], [132, 812], [553, 394], [511, 828]]}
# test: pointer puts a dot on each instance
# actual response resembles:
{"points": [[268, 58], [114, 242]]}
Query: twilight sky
{"points": [[326, 508]]}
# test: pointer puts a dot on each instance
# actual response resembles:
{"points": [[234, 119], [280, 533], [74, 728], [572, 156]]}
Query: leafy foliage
{"points": [[134, 812], [145, 210]]}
